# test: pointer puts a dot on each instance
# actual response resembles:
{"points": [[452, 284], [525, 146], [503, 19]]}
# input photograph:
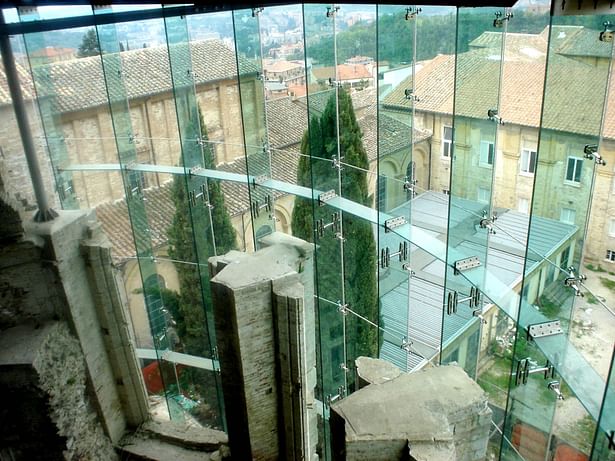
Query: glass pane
{"points": [[42, 50], [320, 144], [160, 326], [563, 187], [477, 102], [356, 125], [604, 445], [195, 196], [253, 110]]}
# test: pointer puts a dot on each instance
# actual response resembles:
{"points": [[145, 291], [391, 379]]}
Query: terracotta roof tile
{"points": [[79, 83], [281, 66], [345, 72], [571, 97]]}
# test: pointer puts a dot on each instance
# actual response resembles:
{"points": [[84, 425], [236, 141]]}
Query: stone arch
{"points": [[282, 219]]}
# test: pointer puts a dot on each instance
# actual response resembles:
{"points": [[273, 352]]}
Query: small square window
{"points": [[610, 255], [574, 167], [484, 194], [487, 150], [447, 141], [528, 161], [612, 227], [567, 215]]}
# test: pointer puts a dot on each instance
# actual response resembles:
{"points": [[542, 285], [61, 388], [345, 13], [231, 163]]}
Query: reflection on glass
{"points": [[46, 78], [385, 106]]}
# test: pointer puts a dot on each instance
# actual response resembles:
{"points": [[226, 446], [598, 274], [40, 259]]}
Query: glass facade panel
{"points": [[249, 52], [408, 144]]}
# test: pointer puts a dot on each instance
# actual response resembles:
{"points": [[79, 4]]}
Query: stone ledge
{"points": [[163, 441]]}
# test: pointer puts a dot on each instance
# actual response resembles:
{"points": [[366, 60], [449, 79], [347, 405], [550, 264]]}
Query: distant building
{"points": [[352, 76], [52, 54], [288, 72]]}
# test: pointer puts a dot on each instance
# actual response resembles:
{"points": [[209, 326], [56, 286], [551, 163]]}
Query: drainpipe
{"points": [[45, 212]]}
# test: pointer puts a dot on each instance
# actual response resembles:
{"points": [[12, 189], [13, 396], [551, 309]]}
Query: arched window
{"points": [[411, 176], [155, 280]]}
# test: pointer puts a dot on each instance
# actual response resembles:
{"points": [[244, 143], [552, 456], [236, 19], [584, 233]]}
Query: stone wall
{"points": [[45, 390], [435, 414], [53, 354], [263, 306], [43, 387]]}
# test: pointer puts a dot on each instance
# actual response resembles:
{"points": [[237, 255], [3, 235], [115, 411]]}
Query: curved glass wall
{"points": [[453, 168]]}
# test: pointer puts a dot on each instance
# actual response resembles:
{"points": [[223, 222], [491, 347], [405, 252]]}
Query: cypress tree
{"points": [[89, 45], [319, 147], [182, 246]]}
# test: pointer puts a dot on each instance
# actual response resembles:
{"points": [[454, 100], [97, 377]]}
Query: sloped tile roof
{"points": [[27, 89], [79, 83], [515, 42], [286, 121], [571, 97], [115, 221], [281, 66], [584, 42], [345, 72]]}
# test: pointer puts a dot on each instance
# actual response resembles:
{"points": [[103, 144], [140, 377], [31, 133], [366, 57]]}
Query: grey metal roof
{"points": [[417, 314]]}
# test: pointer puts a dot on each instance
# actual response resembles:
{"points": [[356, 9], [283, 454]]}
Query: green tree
{"points": [[89, 45], [319, 146], [182, 247]]}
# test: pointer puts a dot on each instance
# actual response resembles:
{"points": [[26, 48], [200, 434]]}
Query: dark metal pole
{"points": [[44, 213]]}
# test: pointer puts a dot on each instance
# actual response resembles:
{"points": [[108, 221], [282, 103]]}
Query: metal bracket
{"points": [[258, 180], [478, 313], [132, 191], [611, 438], [193, 171], [492, 114], [341, 393], [257, 206], [325, 197], [406, 344], [344, 367], [332, 10], [386, 255], [410, 185], [590, 151], [524, 369], [394, 223], [499, 19], [451, 303], [607, 34], [408, 94], [337, 164], [488, 223], [554, 386], [539, 330], [335, 224], [406, 267], [412, 12], [202, 194], [342, 308], [257, 11], [64, 188], [574, 281], [453, 300], [332, 83], [465, 264]]}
